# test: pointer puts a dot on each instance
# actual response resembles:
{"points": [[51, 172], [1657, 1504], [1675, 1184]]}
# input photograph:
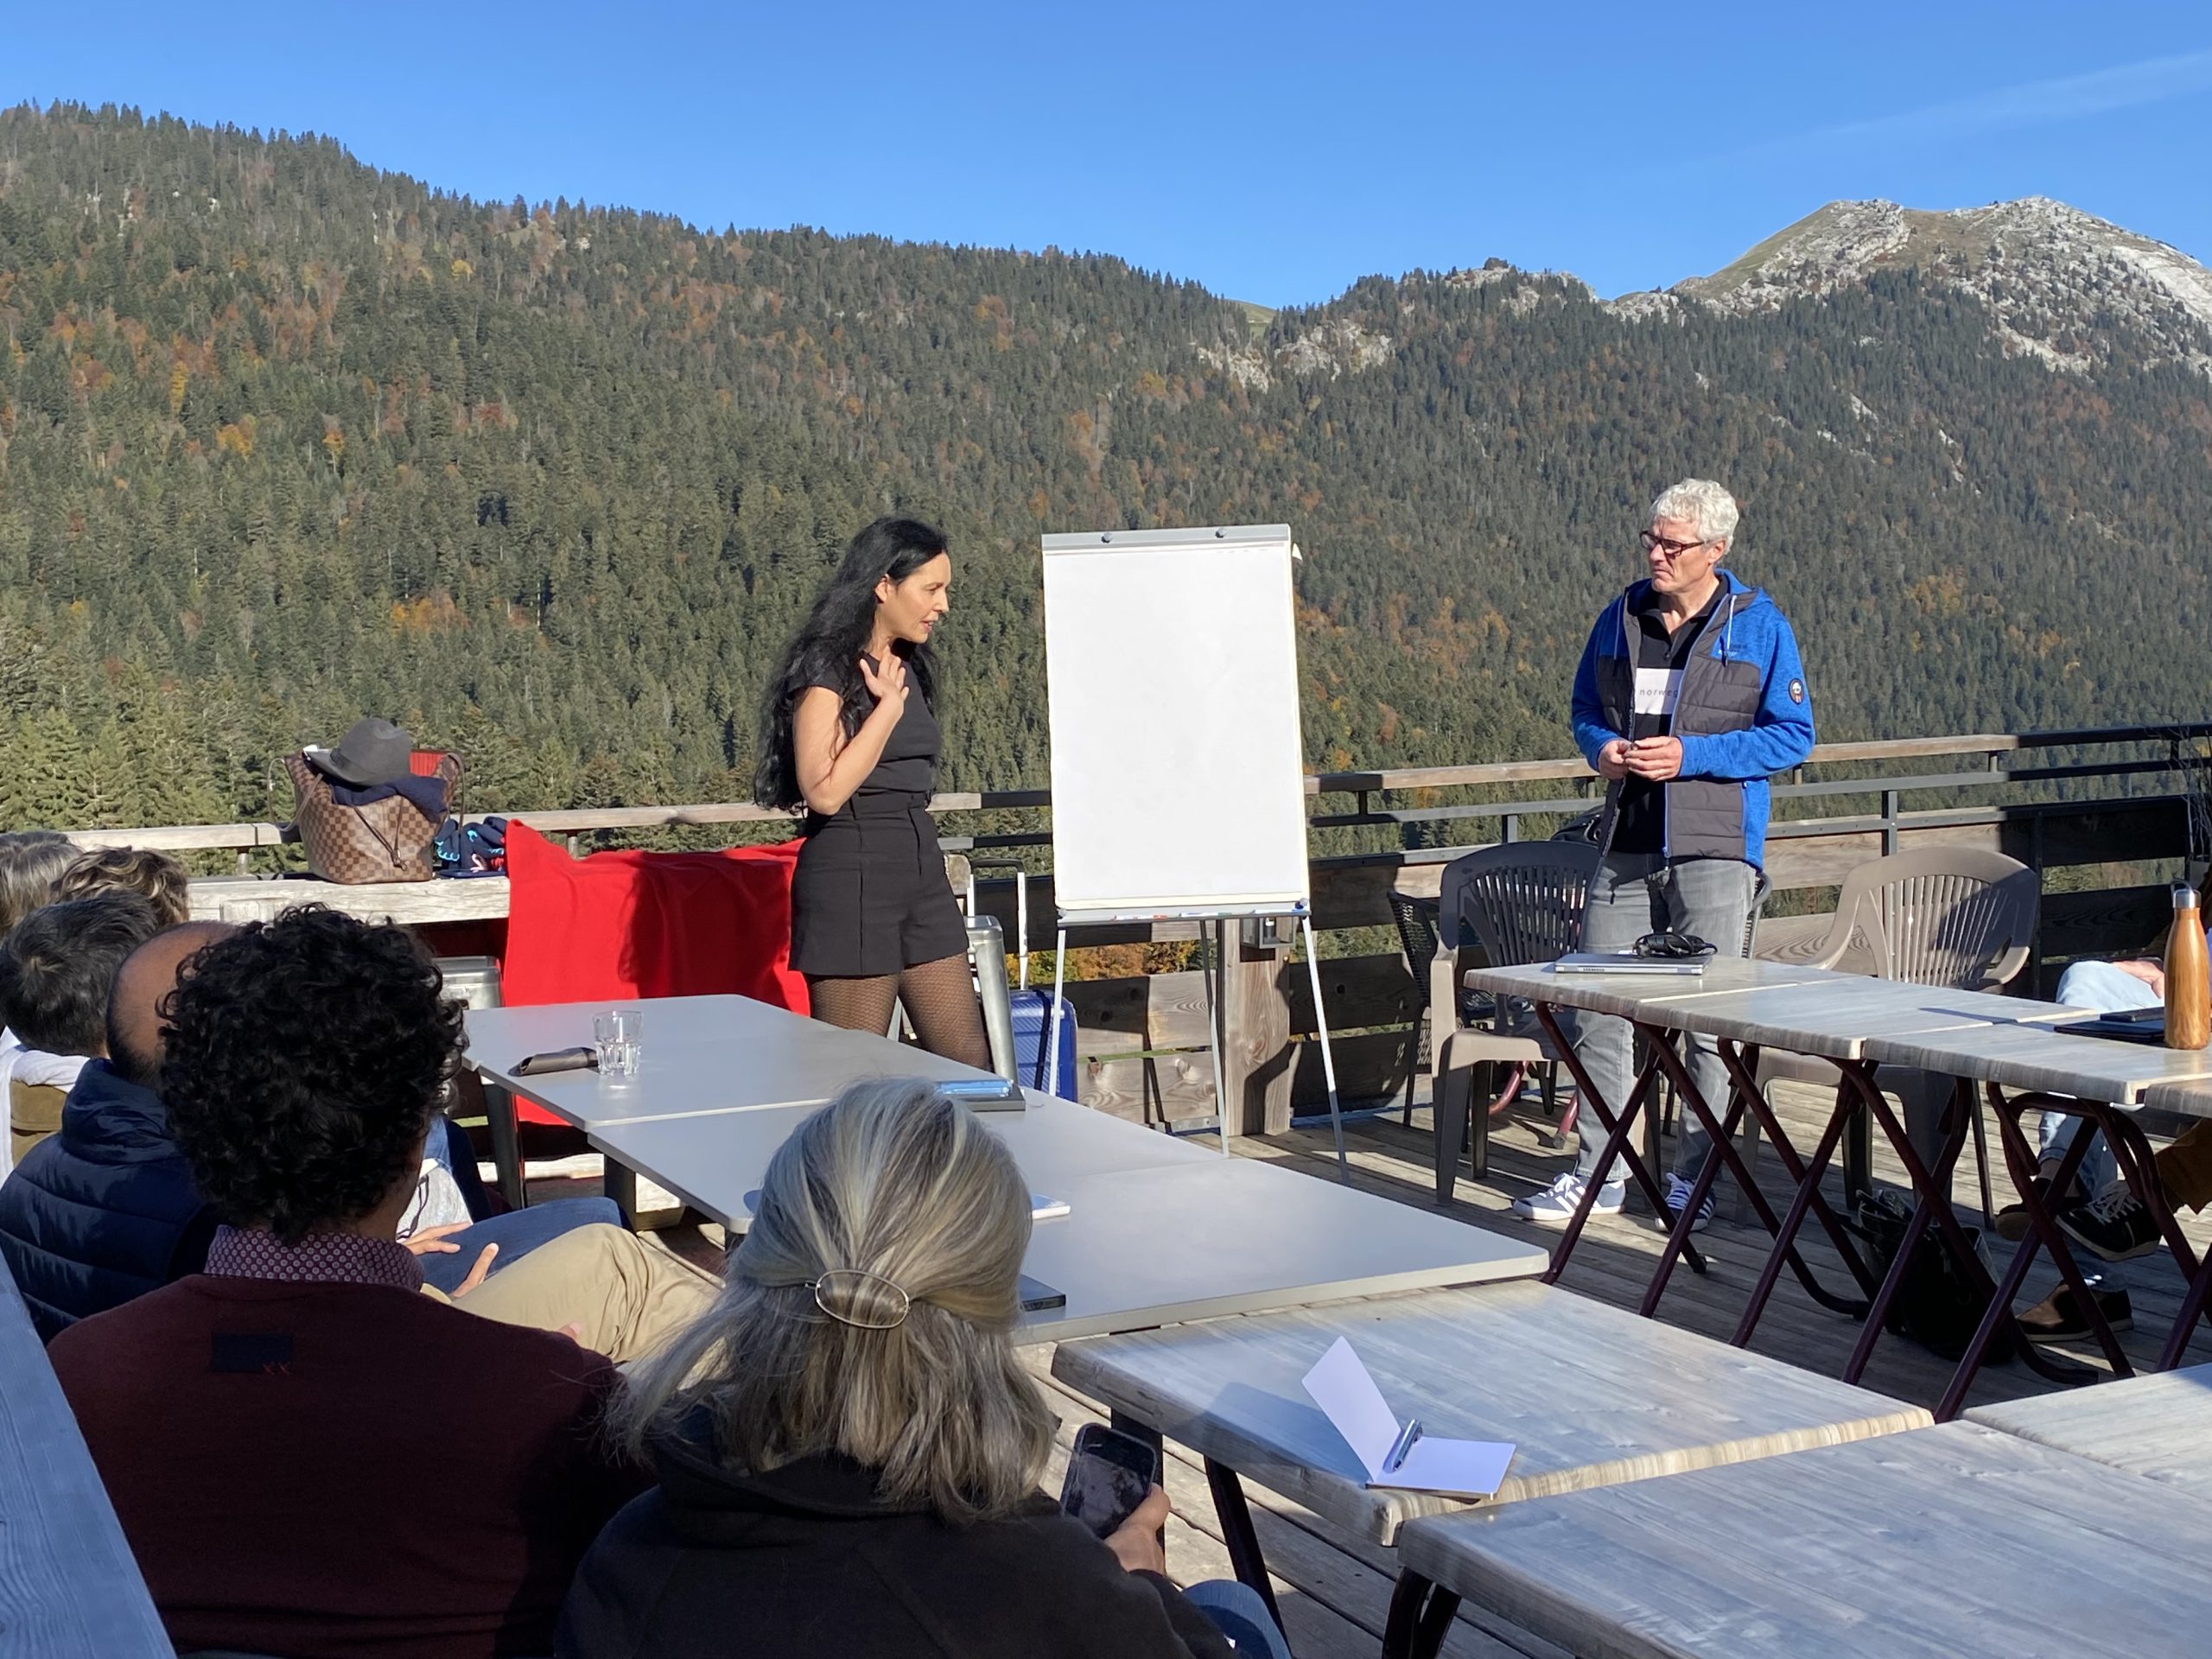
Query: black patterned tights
{"points": [[940, 1000]]}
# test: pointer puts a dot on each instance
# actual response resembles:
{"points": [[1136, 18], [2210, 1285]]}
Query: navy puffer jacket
{"points": [[103, 1210]]}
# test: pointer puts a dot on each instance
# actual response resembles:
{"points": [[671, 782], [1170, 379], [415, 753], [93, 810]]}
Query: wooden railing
{"points": [[1989, 747], [2057, 801]]}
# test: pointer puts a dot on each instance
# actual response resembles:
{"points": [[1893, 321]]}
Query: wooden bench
{"points": [[2159, 1427], [69, 1588], [1591, 1395], [1931, 1545]]}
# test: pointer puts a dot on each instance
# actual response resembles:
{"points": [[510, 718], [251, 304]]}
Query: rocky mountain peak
{"points": [[2050, 275]]}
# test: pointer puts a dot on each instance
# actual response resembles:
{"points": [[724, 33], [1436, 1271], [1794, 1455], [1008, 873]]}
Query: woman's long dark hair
{"points": [[826, 650]]}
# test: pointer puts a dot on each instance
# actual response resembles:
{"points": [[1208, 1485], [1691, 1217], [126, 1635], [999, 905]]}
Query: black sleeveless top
{"points": [[908, 765]]}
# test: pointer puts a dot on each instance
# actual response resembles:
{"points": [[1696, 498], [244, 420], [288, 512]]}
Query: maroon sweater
{"points": [[331, 1471]]}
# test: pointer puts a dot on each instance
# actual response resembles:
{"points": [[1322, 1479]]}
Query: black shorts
{"points": [[870, 896]]}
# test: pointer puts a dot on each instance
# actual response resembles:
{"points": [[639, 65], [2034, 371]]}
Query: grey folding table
{"points": [[1927, 1544], [700, 1055], [715, 1161], [1588, 1394], [1145, 1247], [1156, 1232], [2024, 1069]]}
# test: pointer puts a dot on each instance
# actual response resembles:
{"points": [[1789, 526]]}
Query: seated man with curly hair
{"points": [[108, 1208], [309, 1455]]}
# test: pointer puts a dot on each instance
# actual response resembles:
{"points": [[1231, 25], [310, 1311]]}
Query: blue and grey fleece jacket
{"points": [[1742, 713]]}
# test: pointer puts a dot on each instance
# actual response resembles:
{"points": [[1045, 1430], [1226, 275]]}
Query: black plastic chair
{"points": [[1519, 903]]}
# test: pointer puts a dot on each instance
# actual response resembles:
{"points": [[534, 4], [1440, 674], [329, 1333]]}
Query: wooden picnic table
{"points": [[2159, 1427], [2096, 1078], [2151, 1425], [2024, 1057], [1590, 1395], [69, 1587], [1632, 996], [1929, 1545], [1856, 1023]]}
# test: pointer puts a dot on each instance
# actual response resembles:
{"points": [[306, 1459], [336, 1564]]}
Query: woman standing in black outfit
{"points": [[848, 732]]}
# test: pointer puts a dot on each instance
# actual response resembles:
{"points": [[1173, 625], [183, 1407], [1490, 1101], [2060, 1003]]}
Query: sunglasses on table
{"points": [[1670, 946]]}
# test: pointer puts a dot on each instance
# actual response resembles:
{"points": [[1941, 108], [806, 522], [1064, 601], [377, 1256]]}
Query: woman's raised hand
{"points": [[886, 683]]}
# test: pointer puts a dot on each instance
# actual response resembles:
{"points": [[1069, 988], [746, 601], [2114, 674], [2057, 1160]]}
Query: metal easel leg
{"points": [[1328, 1060], [1053, 1026], [1212, 977]]}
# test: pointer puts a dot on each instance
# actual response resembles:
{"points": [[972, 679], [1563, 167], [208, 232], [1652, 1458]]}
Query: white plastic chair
{"points": [[1959, 918]]}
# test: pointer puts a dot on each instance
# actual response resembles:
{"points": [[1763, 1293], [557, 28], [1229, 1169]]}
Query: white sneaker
{"points": [[1556, 1206], [1678, 1194]]}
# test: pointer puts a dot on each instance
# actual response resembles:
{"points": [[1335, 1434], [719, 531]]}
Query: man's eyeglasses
{"points": [[1655, 542], [1672, 946]]}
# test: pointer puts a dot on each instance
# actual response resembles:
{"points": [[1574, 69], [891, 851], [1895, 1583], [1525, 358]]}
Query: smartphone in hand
{"points": [[1109, 1475]]}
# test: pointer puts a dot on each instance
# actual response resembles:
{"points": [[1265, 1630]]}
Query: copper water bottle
{"points": [[2189, 991]]}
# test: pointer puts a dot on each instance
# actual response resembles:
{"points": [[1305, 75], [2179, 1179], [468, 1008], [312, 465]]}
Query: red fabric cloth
{"points": [[621, 926]]}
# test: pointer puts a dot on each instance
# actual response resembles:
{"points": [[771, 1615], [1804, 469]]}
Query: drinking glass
{"points": [[618, 1036]]}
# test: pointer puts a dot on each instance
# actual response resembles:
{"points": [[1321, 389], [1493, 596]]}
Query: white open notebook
{"points": [[1341, 1387]]}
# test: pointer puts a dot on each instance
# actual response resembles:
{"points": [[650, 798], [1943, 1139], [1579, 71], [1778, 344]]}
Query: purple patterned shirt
{"points": [[320, 1258]]}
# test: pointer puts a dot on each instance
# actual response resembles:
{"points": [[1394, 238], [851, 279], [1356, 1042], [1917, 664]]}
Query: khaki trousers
{"points": [[628, 1297], [34, 1113]]}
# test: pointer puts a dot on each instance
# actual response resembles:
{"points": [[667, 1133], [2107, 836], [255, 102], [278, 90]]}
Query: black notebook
{"points": [[2128, 1025]]}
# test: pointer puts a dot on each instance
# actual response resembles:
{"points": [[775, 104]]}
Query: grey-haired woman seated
{"points": [[848, 1450]]}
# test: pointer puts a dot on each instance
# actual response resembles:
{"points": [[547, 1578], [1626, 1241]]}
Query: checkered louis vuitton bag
{"points": [[389, 840]]}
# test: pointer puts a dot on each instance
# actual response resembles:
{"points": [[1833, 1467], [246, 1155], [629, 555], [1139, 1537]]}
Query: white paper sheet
{"points": [[1452, 1468], [1345, 1389]]}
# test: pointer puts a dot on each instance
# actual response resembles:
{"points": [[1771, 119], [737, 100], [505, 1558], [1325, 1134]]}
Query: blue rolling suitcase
{"points": [[1033, 1020], [1033, 1008]]}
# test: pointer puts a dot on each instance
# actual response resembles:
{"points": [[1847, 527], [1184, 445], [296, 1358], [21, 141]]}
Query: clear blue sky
{"points": [[1275, 153]]}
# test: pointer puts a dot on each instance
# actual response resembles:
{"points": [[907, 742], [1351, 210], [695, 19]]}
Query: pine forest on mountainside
{"points": [[284, 440]]}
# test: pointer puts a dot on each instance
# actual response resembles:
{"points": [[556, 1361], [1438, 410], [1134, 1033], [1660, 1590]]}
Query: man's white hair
{"points": [[1702, 502]]}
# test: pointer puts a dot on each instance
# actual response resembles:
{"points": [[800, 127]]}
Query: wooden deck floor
{"points": [[1334, 1589]]}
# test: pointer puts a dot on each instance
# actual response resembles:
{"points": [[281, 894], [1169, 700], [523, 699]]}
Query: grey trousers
{"points": [[1636, 894]]}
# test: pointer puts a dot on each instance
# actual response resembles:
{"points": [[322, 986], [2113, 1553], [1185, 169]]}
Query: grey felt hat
{"points": [[374, 752]]}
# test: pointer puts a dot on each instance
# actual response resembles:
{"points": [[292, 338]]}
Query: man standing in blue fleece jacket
{"points": [[1688, 697]]}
